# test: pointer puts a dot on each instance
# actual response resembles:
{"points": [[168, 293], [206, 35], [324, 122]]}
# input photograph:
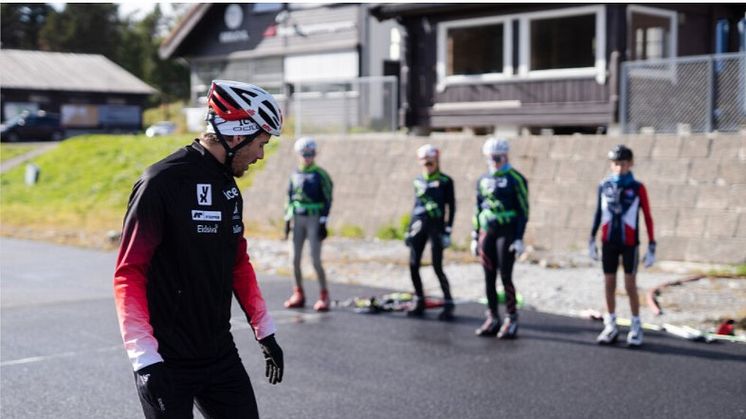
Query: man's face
{"points": [[306, 158], [620, 167], [498, 160], [249, 154], [429, 165]]}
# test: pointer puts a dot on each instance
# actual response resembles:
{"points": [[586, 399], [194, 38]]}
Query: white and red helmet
{"points": [[234, 101]]}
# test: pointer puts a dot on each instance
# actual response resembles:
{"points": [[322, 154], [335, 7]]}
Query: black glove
{"points": [[287, 229], [154, 385], [323, 233], [273, 357]]}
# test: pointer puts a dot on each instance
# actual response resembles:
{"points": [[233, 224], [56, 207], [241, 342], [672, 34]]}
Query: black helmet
{"points": [[620, 152]]}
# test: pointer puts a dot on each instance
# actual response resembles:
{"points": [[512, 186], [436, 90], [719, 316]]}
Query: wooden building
{"points": [[280, 46], [515, 66], [89, 92]]}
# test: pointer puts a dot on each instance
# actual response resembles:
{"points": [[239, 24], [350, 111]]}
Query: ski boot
{"points": [[509, 328], [610, 333], [297, 300], [323, 303], [490, 326], [418, 307], [634, 337], [447, 313]]}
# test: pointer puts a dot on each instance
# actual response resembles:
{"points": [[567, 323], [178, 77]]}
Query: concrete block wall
{"points": [[697, 186]]}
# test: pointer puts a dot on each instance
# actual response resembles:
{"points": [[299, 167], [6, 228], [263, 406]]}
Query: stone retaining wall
{"points": [[697, 186]]}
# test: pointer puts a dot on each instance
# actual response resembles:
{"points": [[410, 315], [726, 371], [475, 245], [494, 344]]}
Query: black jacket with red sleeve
{"points": [[182, 257]]}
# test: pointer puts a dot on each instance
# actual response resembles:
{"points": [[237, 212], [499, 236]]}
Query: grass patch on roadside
{"points": [[394, 232], [730, 271], [9, 151], [86, 181], [349, 231]]}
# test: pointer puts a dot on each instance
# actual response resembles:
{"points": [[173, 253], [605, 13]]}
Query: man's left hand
{"points": [[273, 357], [517, 247]]}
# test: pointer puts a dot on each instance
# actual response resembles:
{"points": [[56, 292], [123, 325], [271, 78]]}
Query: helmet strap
{"points": [[230, 153]]}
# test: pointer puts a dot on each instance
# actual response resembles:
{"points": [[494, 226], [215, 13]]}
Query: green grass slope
{"points": [[85, 184]]}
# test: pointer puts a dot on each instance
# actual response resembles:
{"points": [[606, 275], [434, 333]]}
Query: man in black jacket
{"points": [[182, 258]]}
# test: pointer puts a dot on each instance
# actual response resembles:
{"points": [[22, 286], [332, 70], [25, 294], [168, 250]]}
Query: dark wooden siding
{"points": [[534, 91], [543, 102]]}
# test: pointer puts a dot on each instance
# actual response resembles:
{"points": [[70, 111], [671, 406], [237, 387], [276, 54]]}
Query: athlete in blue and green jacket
{"points": [[499, 222], [309, 202], [432, 218]]}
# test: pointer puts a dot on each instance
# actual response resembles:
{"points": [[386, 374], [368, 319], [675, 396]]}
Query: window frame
{"points": [[520, 72], [673, 18], [444, 79], [670, 69], [598, 69]]}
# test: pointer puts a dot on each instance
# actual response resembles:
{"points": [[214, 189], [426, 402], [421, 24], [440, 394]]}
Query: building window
{"points": [[552, 44], [651, 33], [563, 42], [475, 50]]}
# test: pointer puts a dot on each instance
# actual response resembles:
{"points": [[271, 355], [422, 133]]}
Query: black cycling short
{"points": [[610, 254]]}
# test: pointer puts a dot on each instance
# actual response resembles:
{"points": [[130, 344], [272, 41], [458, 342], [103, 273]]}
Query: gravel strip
{"points": [[568, 284]]}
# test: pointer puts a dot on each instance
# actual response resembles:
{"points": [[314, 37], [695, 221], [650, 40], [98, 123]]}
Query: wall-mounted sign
{"points": [[233, 16], [233, 19], [316, 28]]}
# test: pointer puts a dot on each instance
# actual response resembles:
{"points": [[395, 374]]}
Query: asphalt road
{"points": [[61, 357]]}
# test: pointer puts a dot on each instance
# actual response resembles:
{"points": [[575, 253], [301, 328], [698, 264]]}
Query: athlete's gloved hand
{"points": [[273, 358], [154, 384], [649, 259], [407, 240], [287, 229], [517, 247], [323, 233], [445, 238], [474, 243], [593, 249]]}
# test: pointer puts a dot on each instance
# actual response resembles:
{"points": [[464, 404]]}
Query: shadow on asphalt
{"points": [[584, 335]]}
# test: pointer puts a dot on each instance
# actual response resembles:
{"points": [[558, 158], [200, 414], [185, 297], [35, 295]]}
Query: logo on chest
{"points": [[231, 193], [207, 228], [198, 215], [204, 194]]}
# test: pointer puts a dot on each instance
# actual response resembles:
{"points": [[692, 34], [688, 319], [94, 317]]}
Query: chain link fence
{"points": [[364, 104], [694, 94]]}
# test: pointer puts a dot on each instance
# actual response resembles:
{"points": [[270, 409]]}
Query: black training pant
{"points": [[419, 235], [221, 390], [495, 256]]}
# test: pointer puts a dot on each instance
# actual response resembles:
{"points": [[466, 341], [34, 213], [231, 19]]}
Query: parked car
{"points": [[39, 126], [161, 128]]}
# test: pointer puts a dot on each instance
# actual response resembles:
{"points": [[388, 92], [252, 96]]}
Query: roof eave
{"points": [[179, 33], [394, 10]]}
